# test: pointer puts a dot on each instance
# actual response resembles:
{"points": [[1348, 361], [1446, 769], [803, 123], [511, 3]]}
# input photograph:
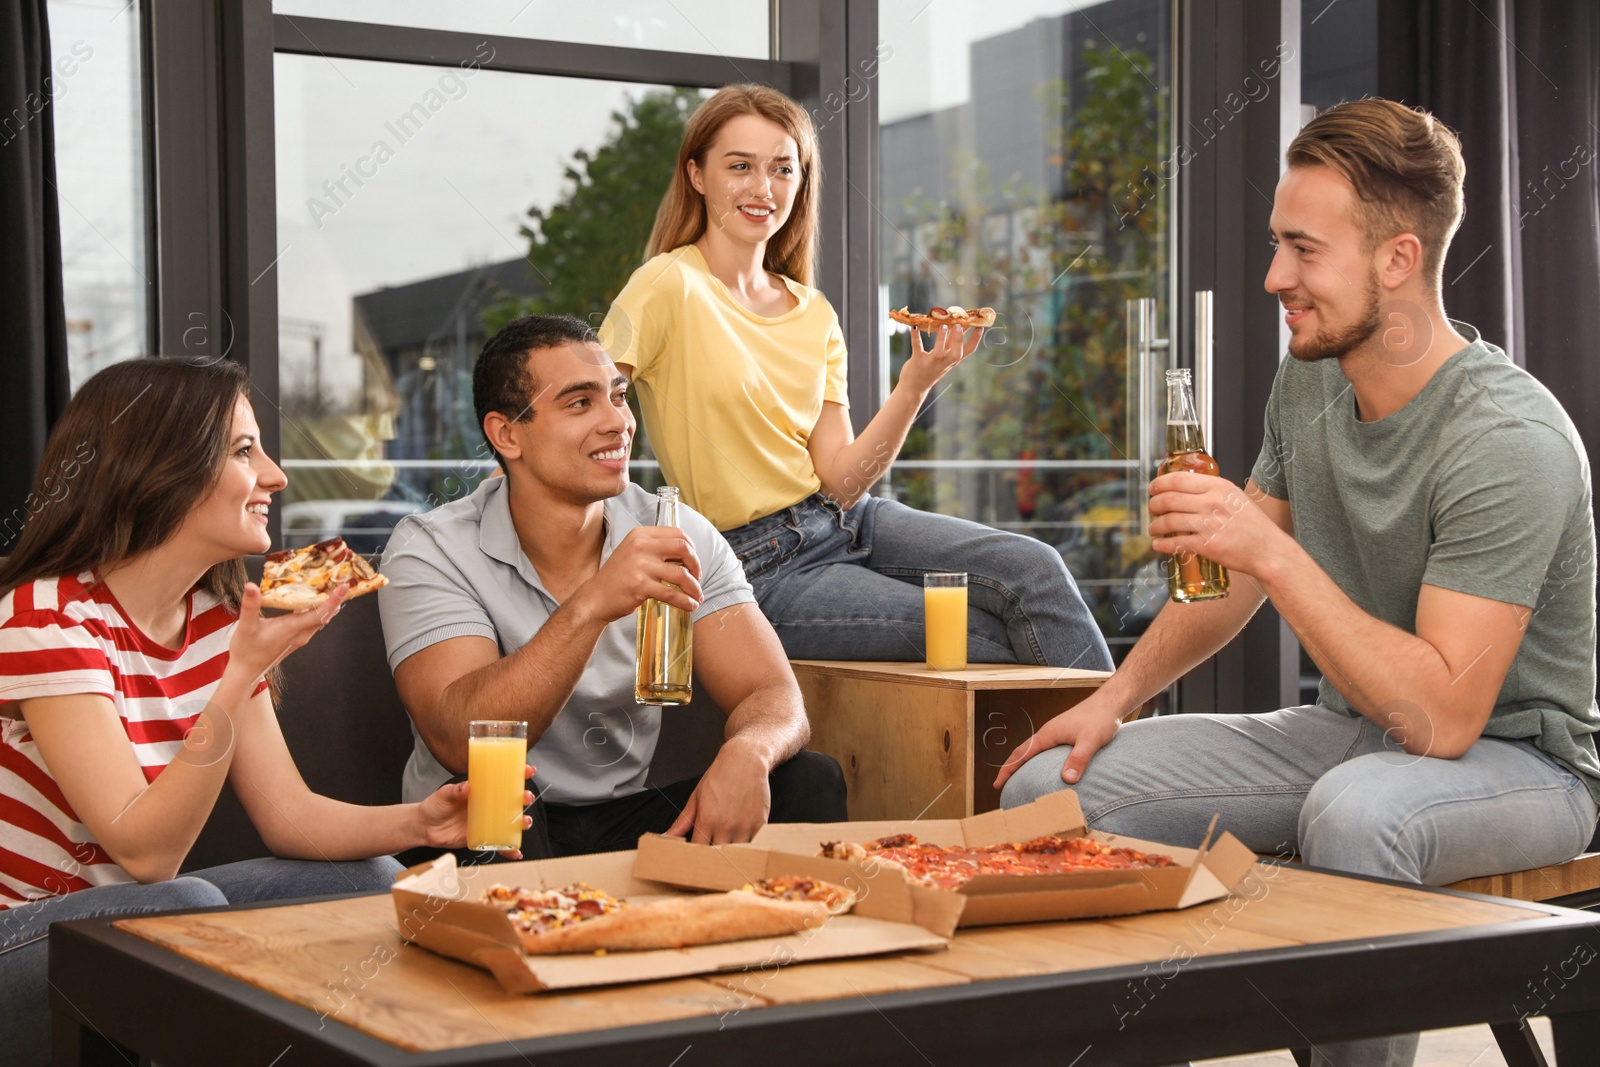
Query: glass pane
{"points": [[97, 108], [1021, 149], [715, 27], [412, 219]]}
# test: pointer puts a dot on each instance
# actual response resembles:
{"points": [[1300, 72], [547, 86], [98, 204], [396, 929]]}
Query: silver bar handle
{"points": [[1203, 362], [1142, 347]]}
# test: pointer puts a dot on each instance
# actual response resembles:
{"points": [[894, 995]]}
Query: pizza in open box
{"points": [[952, 866], [581, 918]]}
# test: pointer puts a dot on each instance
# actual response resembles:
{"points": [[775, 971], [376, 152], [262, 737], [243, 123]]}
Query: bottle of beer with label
{"points": [[1189, 577], [666, 634]]}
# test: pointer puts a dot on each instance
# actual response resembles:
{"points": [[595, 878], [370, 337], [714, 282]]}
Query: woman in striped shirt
{"points": [[134, 679]]}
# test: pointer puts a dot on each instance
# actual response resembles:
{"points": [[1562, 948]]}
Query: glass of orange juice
{"points": [[497, 753], [944, 605]]}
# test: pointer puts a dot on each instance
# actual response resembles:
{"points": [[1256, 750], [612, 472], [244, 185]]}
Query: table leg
{"points": [[77, 1045], [1577, 1038], [1518, 1045]]}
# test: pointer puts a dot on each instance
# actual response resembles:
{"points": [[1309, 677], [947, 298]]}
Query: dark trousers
{"points": [[808, 788]]}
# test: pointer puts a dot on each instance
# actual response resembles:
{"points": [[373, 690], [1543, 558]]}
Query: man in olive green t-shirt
{"points": [[1421, 516]]}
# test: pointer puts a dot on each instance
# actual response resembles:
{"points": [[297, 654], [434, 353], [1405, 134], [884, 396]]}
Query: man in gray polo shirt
{"points": [[517, 602], [1420, 514]]}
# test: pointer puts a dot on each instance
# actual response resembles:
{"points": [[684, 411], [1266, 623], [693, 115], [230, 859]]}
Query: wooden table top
{"points": [[344, 958], [977, 676]]}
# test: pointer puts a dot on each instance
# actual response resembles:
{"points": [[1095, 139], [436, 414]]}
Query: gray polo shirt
{"points": [[1481, 485], [459, 571]]}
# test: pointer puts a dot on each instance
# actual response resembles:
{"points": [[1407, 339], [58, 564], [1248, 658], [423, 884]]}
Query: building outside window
{"points": [[1020, 151]]}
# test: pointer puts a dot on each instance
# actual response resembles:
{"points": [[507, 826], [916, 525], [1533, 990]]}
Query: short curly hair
{"points": [[1405, 166], [504, 381]]}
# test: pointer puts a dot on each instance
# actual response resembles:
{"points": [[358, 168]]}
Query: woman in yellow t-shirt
{"points": [[740, 368]]}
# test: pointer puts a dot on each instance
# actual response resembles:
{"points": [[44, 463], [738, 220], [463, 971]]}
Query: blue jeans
{"points": [[848, 585], [24, 929], [1334, 788]]}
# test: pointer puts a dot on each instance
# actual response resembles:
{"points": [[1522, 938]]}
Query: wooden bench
{"points": [[1574, 884]]}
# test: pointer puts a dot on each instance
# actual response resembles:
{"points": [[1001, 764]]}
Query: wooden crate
{"points": [[919, 743]]}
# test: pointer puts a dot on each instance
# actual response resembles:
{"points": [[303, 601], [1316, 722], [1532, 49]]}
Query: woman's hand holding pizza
{"points": [[259, 643], [652, 562], [443, 815], [951, 345]]}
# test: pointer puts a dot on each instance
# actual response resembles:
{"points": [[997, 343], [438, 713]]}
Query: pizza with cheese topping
{"points": [[304, 577], [952, 866], [950, 316]]}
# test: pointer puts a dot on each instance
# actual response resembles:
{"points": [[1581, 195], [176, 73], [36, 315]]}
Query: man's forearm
{"points": [[1181, 638], [1392, 677], [772, 722], [529, 685]]}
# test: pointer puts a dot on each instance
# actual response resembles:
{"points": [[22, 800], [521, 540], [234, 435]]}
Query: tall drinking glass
{"points": [[944, 604], [497, 755]]}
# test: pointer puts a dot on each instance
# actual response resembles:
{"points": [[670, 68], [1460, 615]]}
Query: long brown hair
{"points": [[681, 219], [140, 445], [1404, 164]]}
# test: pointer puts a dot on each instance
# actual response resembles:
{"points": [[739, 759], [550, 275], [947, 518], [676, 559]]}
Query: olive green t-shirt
{"points": [[1480, 484]]}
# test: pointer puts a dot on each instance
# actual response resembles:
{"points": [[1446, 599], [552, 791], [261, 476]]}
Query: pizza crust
{"points": [[681, 923], [297, 597]]}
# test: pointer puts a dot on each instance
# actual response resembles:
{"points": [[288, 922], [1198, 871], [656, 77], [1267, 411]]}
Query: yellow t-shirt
{"points": [[729, 397]]}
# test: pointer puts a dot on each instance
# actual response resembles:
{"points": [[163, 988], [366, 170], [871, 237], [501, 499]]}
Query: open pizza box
{"points": [[436, 905], [1210, 872]]}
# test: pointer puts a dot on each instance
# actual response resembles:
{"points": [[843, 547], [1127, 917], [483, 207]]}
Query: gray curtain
{"points": [[34, 384], [1520, 81]]}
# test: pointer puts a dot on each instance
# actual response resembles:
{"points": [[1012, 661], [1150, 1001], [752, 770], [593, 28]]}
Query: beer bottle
{"points": [[1189, 577], [666, 634]]}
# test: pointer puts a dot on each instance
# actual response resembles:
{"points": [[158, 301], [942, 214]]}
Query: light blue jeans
{"points": [[848, 585], [1335, 789], [24, 929]]}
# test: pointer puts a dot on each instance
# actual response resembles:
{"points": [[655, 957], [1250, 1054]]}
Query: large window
{"points": [[419, 208], [97, 107], [1021, 151]]}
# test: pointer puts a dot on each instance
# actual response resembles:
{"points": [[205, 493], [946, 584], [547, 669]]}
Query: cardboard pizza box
{"points": [[436, 905], [1210, 872], [881, 893]]}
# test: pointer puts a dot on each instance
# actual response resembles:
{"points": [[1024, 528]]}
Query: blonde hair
{"points": [[681, 219], [1405, 166]]}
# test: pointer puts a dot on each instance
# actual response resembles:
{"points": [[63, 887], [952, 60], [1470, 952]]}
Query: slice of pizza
{"points": [[580, 918], [539, 911], [954, 315], [797, 888], [304, 577]]}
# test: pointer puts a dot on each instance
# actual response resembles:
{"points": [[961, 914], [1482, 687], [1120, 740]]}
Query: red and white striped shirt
{"points": [[65, 636]]}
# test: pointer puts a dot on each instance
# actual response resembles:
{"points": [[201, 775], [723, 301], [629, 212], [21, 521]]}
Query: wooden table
{"points": [[919, 743], [1296, 957]]}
